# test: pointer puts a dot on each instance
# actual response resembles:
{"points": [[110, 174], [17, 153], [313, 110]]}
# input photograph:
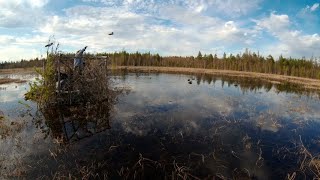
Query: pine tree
{"points": [[199, 57]]}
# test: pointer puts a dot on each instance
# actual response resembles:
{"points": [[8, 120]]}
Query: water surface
{"points": [[167, 126]]}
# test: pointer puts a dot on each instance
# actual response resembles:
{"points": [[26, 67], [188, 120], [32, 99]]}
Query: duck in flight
{"points": [[48, 45]]}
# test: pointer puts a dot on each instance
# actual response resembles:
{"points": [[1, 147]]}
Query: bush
{"points": [[43, 89]]}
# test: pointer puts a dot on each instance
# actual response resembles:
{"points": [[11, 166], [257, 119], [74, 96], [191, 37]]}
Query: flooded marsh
{"points": [[165, 127]]}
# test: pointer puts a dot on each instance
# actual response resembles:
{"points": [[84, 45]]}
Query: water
{"points": [[164, 127]]}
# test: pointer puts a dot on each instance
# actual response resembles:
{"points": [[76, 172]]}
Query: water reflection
{"points": [[216, 127], [245, 84], [233, 119], [12, 94], [17, 132], [76, 122]]}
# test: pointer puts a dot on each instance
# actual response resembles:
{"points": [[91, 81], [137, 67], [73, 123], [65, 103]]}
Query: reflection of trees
{"points": [[75, 115], [292, 88], [156, 144], [253, 84], [245, 84], [72, 123]]}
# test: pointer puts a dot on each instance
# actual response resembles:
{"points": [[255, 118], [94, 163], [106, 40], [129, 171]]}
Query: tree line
{"points": [[22, 64], [247, 61]]}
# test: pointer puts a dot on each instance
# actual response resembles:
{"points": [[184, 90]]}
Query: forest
{"points": [[247, 61], [22, 64]]}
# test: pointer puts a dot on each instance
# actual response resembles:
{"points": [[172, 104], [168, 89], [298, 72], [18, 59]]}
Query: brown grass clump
{"points": [[315, 164], [309, 161], [9, 128], [17, 71], [9, 80]]}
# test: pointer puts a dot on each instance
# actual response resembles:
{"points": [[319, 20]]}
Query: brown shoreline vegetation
{"points": [[6, 80], [307, 83], [9, 80], [17, 71]]}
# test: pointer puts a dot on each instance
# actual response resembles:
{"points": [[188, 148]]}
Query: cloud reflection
{"points": [[168, 100]]}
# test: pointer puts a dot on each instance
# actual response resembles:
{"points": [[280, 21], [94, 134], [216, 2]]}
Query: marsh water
{"points": [[166, 126]]}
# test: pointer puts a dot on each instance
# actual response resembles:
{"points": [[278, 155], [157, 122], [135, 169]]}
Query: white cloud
{"points": [[14, 53], [291, 42], [314, 7], [234, 8], [5, 39], [173, 31], [230, 25], [181, 16], [169, 30], [14, 48], [37, 3], [169, 27], [21, 13], [309, 16], [309, 9], [274, 23], [231, 8]]}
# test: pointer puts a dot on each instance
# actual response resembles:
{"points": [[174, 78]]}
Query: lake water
{"points": [[166, 126]]}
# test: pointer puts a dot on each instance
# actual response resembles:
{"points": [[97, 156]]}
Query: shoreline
{"points": [[17, 71], [9, 80], [307, 83], [21, 71]]}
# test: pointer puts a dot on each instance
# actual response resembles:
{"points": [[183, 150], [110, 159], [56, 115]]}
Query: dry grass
{"points": [[309, 161], [273, 78], [17, 71], [9, 80], [8, 128]]}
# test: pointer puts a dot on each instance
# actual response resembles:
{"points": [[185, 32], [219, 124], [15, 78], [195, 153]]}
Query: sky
{"points": [[167, 27]]}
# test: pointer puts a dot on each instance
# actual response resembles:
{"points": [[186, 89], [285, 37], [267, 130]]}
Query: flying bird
{"points": [[110, 34], [48, 45]]}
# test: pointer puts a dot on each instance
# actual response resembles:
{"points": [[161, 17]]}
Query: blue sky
{"points": [[168, 27]]}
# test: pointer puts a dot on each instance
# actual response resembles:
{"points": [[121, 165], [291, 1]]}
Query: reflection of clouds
{"points": [[267, 122], [207, 104], [290, 106], [186, 105], [166, 107], [142, 125], [18, 150], [174, 88], [13, 92], [270, 127], [180, 107]]}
